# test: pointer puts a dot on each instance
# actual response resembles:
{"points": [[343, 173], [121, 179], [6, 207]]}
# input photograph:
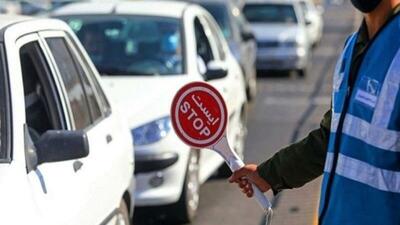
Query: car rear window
{"points": [[270, 13]]}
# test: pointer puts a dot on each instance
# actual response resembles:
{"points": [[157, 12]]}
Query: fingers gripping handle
{"points": [[236, 164]]}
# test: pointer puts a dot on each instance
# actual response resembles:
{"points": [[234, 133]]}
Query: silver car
{"points": [[280, 30]]}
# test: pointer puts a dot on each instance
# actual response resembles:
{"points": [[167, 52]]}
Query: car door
{"points": [[210, 48], [54, 186], [16, 188], [208, 52], [90, 111], [233, 83]]}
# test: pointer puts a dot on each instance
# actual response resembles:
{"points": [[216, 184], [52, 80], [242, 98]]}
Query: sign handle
{"points": [[235, 163]]}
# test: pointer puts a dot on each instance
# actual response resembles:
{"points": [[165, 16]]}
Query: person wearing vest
{"points": [[357, 147]]}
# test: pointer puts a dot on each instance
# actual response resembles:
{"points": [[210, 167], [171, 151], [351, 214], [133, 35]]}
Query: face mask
{"points": [[366, 6]]}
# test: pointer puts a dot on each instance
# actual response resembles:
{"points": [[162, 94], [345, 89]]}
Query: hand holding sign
{"points": [[199, 117]]}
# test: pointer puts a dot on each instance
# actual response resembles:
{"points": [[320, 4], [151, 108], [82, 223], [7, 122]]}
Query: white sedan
{"points": [[146, 51], [60, 139]]}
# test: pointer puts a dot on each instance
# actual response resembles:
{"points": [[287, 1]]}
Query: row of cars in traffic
{"points": [[84, 118], [268, 34]]}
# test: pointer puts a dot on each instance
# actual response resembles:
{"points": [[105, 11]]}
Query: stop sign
{"points": [[199, 118], [199, 115]]}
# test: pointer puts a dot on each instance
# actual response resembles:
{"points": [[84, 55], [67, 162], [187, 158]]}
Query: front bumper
{"points": [[160, 172], [155, 162], [281, 58]]}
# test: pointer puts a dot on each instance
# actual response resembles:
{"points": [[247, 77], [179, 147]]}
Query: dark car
{"points": [[239, 36]]}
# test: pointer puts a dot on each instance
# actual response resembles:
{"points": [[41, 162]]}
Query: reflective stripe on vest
{"points": [[369, 133], [365, 173]]}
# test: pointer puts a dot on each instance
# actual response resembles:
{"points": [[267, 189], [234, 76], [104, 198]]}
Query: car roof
{"points": [[8, 19], [225, 2], [28, 24], [269, 1], [149, 7]]}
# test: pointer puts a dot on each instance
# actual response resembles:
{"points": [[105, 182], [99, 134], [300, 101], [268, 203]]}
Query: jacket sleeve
{"points": [[298, 163]]}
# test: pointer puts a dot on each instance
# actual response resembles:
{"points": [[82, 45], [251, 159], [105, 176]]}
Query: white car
{"points": [[282, 38], [65, 155], [146, 51], [313, 19]]}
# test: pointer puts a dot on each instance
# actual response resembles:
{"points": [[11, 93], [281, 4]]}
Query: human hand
{"points": [[246, 176]]}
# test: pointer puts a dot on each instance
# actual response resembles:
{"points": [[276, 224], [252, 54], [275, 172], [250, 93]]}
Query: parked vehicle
{"points": [[65, 156], [313, 19], [145, 54], [281, 34], [240, 38]]}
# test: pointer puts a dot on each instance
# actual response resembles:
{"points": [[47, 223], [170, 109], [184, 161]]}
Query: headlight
{"points": [[151, 132]]}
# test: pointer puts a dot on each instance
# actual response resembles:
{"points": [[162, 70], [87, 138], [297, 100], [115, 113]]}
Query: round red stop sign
{"points": [[199, 114]]}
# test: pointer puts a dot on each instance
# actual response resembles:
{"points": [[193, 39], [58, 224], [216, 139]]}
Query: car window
{"points": [[90, 91], [270, 13], [41, 111], [103, 103], [72, 82], [131, 45], [203, 46], [242, 22], [4, 151], [220, 13], [217, 38]]}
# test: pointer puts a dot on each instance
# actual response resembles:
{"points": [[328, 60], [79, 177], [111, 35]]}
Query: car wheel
{"points": [[224, 171], [122, 217], [185, 209]]}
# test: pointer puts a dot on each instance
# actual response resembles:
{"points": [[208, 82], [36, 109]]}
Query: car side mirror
{"points": [[247, 35], [308, 22], [216, 70], [61, 145]]}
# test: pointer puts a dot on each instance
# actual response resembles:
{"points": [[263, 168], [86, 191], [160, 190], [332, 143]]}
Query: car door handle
{"points": [[109, 138], [77, 165]]}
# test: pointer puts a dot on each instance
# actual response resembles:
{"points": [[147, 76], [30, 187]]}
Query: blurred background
{"points": [[286, 51]]}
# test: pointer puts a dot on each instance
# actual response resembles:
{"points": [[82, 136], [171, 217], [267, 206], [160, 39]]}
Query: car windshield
{"points": [[270, 13], [131, 45], [220, 14]]}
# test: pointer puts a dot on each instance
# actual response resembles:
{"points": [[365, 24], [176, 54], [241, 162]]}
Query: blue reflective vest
{"points": [[361, 184]]}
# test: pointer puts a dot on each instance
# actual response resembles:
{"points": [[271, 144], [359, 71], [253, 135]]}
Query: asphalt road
{"points": [[286, 108]]}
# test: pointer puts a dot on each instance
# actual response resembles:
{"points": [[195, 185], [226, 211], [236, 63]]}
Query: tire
{"points": [[185, 210], [123, 214]]}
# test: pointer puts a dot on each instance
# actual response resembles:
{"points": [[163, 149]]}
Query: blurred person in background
{"points": [[357, 147]]}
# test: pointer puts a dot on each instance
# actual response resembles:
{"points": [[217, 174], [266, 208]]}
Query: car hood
{"points": [[143, 99], [280, 32]]}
